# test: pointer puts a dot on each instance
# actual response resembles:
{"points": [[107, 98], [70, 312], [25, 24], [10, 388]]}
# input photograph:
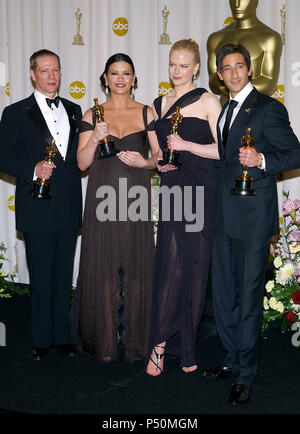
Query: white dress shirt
{"points": [[240, 98], [57, 121]]}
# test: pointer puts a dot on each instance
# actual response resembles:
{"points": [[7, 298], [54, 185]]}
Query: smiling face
{"points": [[46, 75], [234, 73], [120, 77], [182, 67]]}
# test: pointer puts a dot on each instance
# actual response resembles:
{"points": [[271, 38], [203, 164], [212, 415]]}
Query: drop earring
{"points": [[106, 90], [132, 91]]}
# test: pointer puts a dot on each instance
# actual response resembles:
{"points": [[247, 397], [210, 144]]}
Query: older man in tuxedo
{"points": [[49, 226], [245, 223]]}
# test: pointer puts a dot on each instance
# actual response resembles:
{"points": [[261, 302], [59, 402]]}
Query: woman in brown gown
{"points": [[183, 256], [117, 253]]}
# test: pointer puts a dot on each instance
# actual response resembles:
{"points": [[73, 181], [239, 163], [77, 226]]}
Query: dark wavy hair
{"points": [[232, 49], [119, 57]]}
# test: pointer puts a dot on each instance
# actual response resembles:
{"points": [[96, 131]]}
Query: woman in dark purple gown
{"points": [[117, 252], [183, 249]]}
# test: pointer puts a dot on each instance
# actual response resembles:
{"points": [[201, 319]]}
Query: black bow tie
{"points": [[54, 101]]}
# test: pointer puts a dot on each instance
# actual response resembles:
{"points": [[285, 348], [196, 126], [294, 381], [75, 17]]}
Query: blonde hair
{"points": [[189, 45]]}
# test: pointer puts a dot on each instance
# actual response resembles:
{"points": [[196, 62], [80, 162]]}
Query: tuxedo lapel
{"points": [[241, 122], [72, 120], [220, 140], [34, 113]]}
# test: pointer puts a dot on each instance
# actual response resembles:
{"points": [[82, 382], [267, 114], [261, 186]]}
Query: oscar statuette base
{"points": [[170, 156], [107, 149], [40, 190], [243, 187]]}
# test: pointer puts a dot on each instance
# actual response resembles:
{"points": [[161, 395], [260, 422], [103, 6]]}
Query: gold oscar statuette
{"points": [[78, 40], [244, 183], [106, 145], [171, 156], [263, 43], [164, 37], [41, 187]]}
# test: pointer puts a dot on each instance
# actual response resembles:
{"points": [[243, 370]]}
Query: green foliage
{"points": [[8, 287], [282, 296]]}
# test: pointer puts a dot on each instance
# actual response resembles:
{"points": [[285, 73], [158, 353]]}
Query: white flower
{"points": [[277, 262], [276, 305], [285, 273], [288, 270], [295, 247], [270, 285], [280, 278], [280, 307], [273, 303], [266, 303]]}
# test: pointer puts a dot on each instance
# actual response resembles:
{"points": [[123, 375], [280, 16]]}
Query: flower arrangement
{"points": [[7, 284], [282, 297]]}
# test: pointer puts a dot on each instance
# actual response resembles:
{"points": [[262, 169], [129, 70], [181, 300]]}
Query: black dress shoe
{"points": [[39, 353], [220, 372], [68, 350], [239, 394]]}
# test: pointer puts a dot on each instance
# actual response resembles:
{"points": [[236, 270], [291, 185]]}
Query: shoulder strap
{"points": [[185, 100], [157, 105], [85, 126]]}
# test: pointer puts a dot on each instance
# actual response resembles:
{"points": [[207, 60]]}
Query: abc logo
{"points": [[11, 203], [279, 93], [228, 21], [7, 89], [164, 88], [296, 75], [77, 89], [120, 26]]}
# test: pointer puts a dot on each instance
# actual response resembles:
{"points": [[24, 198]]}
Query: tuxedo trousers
{"points": [[50, 258], [238, 283]]}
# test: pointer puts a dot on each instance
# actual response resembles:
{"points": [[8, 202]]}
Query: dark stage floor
{"points": [[84, 386]]}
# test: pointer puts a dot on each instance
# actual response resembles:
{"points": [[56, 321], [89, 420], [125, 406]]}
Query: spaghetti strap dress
{"points": [[113, 297], [183, 256]]}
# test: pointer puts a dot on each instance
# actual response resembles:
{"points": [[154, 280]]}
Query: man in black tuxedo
{"points": [[244, 224], [49, 226]]}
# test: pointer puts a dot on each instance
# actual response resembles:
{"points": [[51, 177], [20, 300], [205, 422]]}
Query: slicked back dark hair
{"points": [[119, 57], [232, 49]]}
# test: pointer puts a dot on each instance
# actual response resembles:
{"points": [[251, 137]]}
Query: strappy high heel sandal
{"points": [[158, 370]]}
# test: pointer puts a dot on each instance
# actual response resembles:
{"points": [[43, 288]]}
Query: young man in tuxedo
{"points": [[244, 224], [49, 226]]}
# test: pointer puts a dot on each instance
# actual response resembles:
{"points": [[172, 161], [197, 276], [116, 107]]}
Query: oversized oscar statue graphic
{"points": [[244, 183], [263, 43], [106, 146], [41, 186], [78, 40], [164, 37]]}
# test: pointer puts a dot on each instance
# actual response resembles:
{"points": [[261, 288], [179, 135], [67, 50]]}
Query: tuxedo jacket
{"points": [[256, 216], [23, 137]]}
